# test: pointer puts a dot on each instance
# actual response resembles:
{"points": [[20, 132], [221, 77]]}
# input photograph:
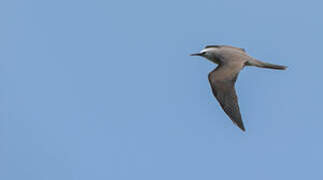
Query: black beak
{"points": [[197, 54]]}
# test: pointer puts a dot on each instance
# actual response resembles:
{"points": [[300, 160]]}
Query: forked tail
{"points": [[261, 64]]}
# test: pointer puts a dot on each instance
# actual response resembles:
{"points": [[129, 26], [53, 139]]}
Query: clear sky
{"points": [[107, 90]]}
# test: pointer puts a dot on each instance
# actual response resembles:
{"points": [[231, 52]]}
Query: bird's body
{"points": [[231, 60]]}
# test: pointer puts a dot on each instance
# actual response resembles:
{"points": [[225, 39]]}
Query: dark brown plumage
{"points": [[231, 60]]}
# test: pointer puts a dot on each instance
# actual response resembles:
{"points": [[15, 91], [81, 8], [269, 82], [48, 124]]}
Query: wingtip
{"points": [[243, 129], [240, 125]]}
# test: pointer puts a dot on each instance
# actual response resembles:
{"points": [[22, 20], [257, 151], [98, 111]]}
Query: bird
{"points": [[230, 61]]}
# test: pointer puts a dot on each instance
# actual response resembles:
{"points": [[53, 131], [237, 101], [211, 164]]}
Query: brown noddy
{"points": [[231, 60]]}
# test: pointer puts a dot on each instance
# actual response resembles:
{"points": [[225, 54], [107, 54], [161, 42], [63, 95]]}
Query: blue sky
{"points": [[106, 90]]}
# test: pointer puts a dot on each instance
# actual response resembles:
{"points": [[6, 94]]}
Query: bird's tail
{"points": [[261, 64]]}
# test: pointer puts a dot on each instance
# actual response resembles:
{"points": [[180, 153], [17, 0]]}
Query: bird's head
{"points": [[209, 53]]}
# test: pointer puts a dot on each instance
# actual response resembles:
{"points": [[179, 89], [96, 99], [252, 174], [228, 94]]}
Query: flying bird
{"points": [[231, 60]]}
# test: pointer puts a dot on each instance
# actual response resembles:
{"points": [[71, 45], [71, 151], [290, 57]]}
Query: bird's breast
{"points": [[214, 60]]}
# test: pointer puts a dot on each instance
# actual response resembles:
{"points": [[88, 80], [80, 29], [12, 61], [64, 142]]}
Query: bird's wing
{"points": [[222, 81]]}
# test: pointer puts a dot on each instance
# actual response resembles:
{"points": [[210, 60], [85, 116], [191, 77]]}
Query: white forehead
{"points": [[208, 50]]}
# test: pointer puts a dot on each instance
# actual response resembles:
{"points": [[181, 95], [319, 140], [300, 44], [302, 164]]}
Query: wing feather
{"points": [[222, 81]]}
